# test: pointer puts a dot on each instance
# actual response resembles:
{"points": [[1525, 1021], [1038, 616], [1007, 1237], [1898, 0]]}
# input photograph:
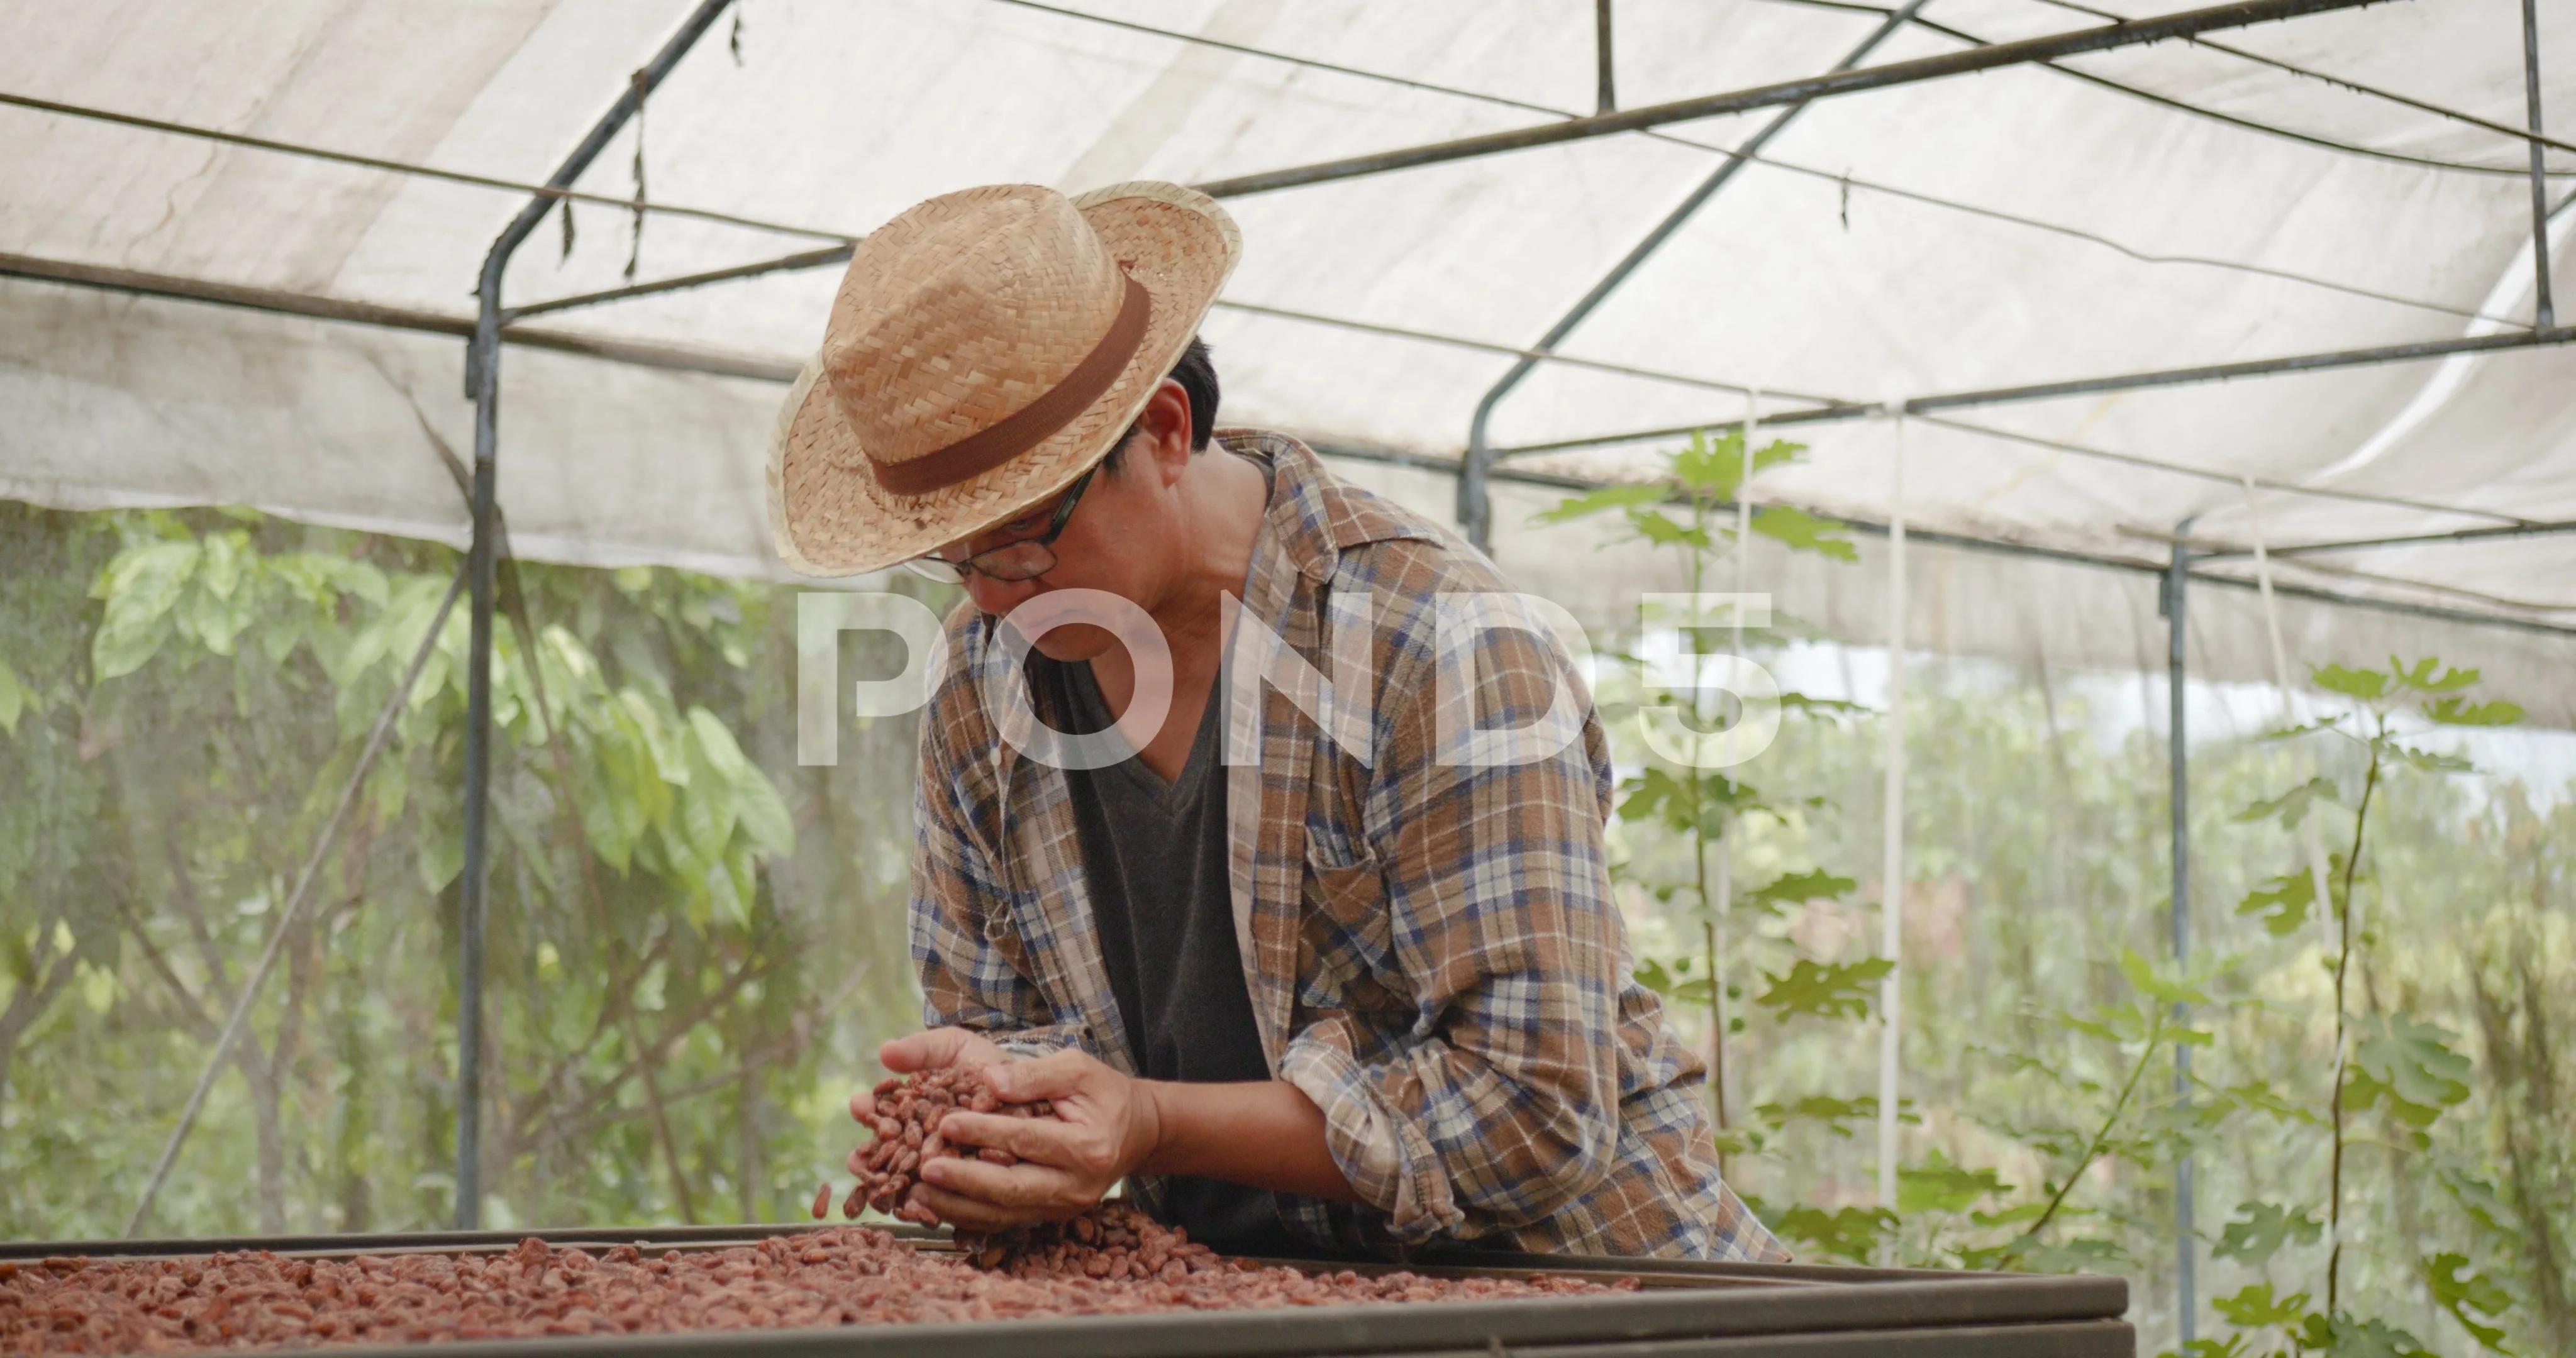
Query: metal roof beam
{"points": [[2101, 38]]}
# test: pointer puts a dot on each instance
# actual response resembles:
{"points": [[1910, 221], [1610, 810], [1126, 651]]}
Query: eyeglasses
{"points": [[1022, 559]]}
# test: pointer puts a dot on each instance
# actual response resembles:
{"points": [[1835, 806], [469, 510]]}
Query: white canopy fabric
{"points": [[2025, 225]]}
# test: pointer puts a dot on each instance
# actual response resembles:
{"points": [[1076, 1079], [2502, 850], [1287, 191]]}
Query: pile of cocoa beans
{"points": [[1112, 1241], [828, 1277], [909, 1110]]}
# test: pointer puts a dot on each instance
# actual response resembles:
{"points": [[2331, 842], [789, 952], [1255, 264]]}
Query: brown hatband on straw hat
{"points": [[987, 347]]}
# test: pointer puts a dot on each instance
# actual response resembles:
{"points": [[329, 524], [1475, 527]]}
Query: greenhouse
{"points": [[2112, 811]]}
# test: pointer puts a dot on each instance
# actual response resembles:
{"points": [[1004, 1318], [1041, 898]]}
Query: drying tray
{"points": [[1684, 1309]]}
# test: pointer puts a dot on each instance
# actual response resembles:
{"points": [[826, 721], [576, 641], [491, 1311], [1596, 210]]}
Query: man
{"points": [[1324, 999]]}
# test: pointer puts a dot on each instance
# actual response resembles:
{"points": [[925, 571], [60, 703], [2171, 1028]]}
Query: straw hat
{"points": [[987, 347]]}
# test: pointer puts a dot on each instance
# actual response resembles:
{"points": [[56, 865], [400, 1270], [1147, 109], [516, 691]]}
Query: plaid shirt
{"points": [[1432, 950]]}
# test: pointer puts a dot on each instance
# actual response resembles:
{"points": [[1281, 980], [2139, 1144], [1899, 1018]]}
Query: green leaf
{"points": [[16, 699], [2262, 1229], [2262, 1098], [1804, 532], [2291, 807], [2071, 1256], [1657, 796], [2460, 1296], [2233, 1346], [1797, 888], [1608, 497], [141, 586], [1851, 1233], [2429, 761], [2453, 712], [2367, 685], [2413, 1061], [2142, 977], [1940, 1186], [1655, 527], [1837, 1115], [2282, 902], [2420, 677], [2011, 1216], [2255, 1306], [2344, 1337], [1825, 990]]}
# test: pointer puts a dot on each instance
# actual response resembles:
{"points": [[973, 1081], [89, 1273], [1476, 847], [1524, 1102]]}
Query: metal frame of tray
{"points": [[1685, 1309]]}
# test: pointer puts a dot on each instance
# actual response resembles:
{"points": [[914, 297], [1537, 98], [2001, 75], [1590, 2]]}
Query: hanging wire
{"points": [[2252, 125], [403, 167], [2518, 134], [1843, 180], [635, 237]]}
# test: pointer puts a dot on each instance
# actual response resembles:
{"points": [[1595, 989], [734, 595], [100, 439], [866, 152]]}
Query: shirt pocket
{"points": [[1346, 963]]}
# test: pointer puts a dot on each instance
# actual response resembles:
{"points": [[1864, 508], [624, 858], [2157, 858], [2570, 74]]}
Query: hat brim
{"points": [[828, 515]]}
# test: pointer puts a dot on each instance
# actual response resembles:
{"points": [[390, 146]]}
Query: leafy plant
{"points": [[1684, 511]]}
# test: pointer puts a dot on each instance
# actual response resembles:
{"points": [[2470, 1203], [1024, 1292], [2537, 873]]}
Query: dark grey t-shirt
{"points": [[1154, 856]]}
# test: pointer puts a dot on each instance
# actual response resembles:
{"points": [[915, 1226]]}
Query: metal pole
{"points": [[2543, 315], [2101, 38], [1475, 508], [1601, 52], [1891, 910], [2177, 582], [483, 383], [2165, 377]]}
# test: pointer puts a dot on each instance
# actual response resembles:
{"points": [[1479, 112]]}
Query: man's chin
{"points": [[1074, 643]]}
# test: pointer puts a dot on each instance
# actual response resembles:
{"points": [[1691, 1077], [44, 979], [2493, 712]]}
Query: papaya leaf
{"points": [[2477, 1292], [1825, 989], [1835, 1114], [2282, 903], [2413, 1061], [2420, 677], [1940, 1186], [2233, 1346], [1661, 530], [2367, 685], [1801, 702], [2290, 807], [2256, 1096], [2255, 1306], [1804, 532], [1606, 498], [2142, 977], [1795, 888], [2303, 728], [2455, 712], [2429, 761], [1851, 1233], [2342, 1336], [2261, 1230]]}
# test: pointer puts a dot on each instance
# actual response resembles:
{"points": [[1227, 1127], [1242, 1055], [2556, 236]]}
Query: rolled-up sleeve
{"points": [[1501, 1104], [973, 968]]}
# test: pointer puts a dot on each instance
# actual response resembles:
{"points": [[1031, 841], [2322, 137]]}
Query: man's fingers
{"points": [[863, 1106], [1037, 1188], [967, 1214], [1045, 1140], [937, 1049], [1048, 1077]]}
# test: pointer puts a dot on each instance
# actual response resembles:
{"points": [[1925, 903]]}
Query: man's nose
{"points": [[998, 597]]}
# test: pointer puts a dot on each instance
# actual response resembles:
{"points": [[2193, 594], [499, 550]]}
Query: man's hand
{"points": [[936, 1049], [1106, 1126]]}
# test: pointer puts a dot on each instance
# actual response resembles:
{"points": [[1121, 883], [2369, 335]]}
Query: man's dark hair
{"points": [[1197, 376]]}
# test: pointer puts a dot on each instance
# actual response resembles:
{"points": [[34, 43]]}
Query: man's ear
{"points": [[1166, 424]]}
